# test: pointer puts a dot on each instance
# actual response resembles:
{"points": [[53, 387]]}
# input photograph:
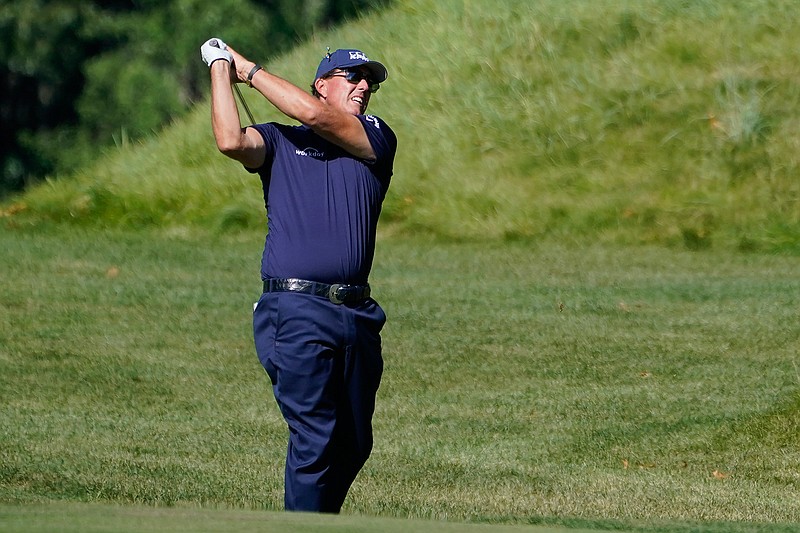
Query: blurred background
{"points": [[76, 77]]}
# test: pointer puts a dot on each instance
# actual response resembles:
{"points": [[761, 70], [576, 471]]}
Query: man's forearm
{"points": [[288, 98], [224, 113]]}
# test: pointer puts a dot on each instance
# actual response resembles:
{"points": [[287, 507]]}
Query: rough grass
{"points": [[665, 122]]}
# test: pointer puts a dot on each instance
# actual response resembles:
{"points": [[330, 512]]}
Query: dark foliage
{"points": [[78, 76]]}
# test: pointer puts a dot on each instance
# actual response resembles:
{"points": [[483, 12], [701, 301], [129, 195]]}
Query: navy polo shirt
{"points": [[322, 203]]}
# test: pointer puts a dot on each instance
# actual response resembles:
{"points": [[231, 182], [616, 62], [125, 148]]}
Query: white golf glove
{"points": [[214, 49]]}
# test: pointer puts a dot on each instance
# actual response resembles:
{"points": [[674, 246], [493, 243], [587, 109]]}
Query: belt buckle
{"points": [[333, 293]]}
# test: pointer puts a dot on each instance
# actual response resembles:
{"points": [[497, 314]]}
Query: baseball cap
{"points": [[348, 58]]}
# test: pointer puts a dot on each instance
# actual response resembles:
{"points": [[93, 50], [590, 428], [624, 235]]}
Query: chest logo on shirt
{"points": [[310, 152]]}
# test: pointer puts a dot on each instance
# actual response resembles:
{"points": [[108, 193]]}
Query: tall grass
{"points": [[644, 121]]}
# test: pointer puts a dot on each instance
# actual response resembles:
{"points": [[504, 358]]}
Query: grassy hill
{"points": [[620, 121]]}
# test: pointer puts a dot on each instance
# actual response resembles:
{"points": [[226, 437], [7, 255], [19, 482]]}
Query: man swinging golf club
{"points": [[317, 331]]}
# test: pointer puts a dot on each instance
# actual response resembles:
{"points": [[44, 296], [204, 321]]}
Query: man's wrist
{"points": [[249, 80], [214, 62], [243, 70]]}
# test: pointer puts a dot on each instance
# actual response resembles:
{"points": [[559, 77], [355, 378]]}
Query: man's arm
{"points": [[242, 144], [335, 125]]}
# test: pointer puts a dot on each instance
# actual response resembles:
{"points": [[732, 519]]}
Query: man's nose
{"points": [[363, 84]]}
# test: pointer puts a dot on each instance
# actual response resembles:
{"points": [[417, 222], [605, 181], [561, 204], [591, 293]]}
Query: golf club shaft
{"points": [[244, 104]]}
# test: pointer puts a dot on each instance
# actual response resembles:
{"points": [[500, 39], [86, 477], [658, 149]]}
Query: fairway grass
{"points": [[525, 383], [80, 518]]}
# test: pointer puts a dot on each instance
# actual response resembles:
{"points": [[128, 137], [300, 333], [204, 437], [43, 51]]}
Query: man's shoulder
{"points": [[374, 121], [376, 127], [284, 129], [276, 132]]}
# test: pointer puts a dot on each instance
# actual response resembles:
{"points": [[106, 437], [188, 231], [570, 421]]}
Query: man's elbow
{"points": [[312, 114], [240, 149], [230, 146]]}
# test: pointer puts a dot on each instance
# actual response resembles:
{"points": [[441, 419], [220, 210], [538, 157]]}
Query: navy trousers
{"points": [[324, 361]]}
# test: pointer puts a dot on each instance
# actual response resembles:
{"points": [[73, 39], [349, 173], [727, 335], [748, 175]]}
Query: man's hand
{"points": [[214, 49]]}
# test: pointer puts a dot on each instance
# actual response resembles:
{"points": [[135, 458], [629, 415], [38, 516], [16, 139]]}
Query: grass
{"points": [[588, 257], [525, 383], [625, 122], [79, 518]]}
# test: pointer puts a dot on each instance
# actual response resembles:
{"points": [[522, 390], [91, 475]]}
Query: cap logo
{"points": [[358, 55]]}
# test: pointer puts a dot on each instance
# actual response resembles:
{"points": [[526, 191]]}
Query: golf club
{"points": [[244, 104]]}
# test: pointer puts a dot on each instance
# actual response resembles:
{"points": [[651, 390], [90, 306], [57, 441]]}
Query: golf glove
{"points": [[214, 49]]}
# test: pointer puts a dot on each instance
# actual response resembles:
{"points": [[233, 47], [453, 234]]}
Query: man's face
{"points": [[349, 93]]}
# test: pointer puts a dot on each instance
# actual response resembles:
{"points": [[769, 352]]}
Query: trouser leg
{"points": [[325, 364], [353, 433]]}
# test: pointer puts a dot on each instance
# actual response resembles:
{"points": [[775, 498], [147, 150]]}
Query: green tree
{"points": [[40, 78], [155, 73]]}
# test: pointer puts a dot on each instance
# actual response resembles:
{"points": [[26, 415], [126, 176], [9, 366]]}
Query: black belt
{"points": [[337, 293]]}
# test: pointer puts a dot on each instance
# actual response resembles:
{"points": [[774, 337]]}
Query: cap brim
{"points": [[379, 72]]}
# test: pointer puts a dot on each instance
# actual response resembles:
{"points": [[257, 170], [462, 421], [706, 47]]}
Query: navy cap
{"points": [[342, 59]]}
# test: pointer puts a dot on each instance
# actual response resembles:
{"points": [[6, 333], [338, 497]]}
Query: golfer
{"points": [[316, 328]]}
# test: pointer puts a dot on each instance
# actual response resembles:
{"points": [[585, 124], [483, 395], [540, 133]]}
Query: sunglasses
{"points": [[355, 76]]}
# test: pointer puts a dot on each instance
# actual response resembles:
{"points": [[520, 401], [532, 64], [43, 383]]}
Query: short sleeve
{"points": [[269, 132], [384, 144]]}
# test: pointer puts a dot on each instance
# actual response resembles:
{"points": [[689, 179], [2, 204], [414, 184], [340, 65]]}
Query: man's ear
{"points": [[321, 85]]}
